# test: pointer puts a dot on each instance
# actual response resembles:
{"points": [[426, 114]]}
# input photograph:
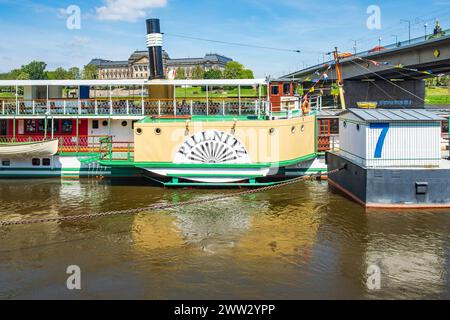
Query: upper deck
{"points": [[132, 98]]}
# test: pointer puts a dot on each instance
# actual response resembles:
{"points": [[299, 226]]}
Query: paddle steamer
{"points": [[128, 128]]}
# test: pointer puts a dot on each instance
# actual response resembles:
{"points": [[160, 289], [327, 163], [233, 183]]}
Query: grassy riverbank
{"points": [[437, 96]]}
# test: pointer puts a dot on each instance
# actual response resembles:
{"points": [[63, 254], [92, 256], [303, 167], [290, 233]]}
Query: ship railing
{"points": [[327, 143], [110, 150], [135, 107]]}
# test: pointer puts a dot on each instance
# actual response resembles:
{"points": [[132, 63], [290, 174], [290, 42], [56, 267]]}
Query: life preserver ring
{"points": [[305, 106]]}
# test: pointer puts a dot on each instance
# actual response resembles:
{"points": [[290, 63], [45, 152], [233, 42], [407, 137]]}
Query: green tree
{"points": [[14, 74], [247, 74], [74, 73], [23, 76], [213, 74], [198, 73], [60, 74], [36, 70], [181, 74], [90, 72], [233, 70]]}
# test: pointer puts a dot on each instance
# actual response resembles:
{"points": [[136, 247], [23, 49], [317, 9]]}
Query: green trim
{"points": [[145, 165], [201, 119]]}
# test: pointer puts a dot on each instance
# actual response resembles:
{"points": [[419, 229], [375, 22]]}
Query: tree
{"points": [[36, 70], [247, 74], [90, 72], [14, 74], [233, 70], [213, 74], [74, 73], [181, 74], [60, 74], [23, 76], [198, 73]]}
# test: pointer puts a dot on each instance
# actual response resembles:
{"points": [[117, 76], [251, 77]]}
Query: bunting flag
{"points": [[375, 63], [398, 66]]}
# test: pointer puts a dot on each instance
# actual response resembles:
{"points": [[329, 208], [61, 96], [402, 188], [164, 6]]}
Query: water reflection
{"points": [[297, 242]]}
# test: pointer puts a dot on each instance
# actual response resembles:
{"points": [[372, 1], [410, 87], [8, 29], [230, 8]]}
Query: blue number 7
{"points": [[381, 139]]}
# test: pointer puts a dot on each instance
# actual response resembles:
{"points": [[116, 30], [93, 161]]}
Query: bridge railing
{"points": [[398, 45]]}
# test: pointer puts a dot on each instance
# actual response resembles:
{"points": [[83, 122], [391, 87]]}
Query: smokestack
{"points": [[154, 45]]}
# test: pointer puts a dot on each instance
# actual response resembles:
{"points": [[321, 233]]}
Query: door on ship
{"points": [[3, 128]]}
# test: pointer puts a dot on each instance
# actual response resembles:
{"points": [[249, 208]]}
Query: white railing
{"points": [[136, 107]]}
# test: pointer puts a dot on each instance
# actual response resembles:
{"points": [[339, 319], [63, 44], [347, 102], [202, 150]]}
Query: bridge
{"points": [[391, 76]]}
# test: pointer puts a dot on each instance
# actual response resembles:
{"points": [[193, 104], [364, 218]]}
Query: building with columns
{"points": [[137, 66]]}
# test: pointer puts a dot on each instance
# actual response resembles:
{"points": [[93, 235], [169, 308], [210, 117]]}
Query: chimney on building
{"points": [[154, 45]]}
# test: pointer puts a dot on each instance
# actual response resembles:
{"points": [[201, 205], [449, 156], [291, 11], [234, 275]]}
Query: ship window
{"points": [[95, 124], [334, 126], [30, 126], [36, 162], [41, 126], [275, 90], [46, 162], [6, 163], [105, 123], [287, 89], [124, 123], [67, 126]]}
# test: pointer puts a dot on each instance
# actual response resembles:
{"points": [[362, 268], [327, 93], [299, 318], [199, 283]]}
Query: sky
{"points": [[113, 29]]}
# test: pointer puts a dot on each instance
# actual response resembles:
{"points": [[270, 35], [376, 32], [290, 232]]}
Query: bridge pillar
{"points": [[393, 94]]}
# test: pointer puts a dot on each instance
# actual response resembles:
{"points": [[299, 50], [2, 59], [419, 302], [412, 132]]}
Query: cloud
{"points": [[127, 10]]}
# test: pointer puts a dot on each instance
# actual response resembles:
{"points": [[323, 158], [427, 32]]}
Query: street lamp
{"points": [[409, 28], [379, 42], [396, 39]]}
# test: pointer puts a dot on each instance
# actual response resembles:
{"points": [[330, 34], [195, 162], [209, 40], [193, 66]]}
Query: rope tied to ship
{"points": [[158, 207]]}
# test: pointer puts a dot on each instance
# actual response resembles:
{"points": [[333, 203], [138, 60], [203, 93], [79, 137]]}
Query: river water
{"points": [[299, 242]]}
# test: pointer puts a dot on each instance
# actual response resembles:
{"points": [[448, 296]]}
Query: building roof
{"points": [[139, 54], [330, 113], [108, 63], [208, 58], [385, 115]]}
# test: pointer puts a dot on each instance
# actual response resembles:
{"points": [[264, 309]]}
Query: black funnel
{"points": [[154, 45]]}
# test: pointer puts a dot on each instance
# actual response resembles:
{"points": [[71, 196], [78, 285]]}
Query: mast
{"points": [[340, 81]]}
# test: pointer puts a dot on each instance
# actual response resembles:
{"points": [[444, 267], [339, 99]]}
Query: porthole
{"points": [[105, 123], [158, 131], [124, 123], [294, 129], [139, 131], [271, 131]]}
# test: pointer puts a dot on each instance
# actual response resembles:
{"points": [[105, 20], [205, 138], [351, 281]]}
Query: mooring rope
{"points": [[158, 206]]}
